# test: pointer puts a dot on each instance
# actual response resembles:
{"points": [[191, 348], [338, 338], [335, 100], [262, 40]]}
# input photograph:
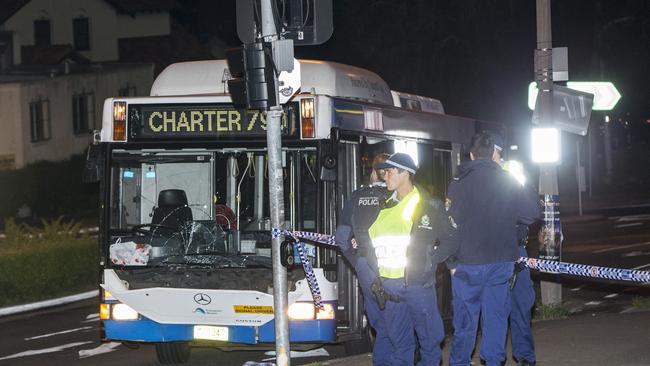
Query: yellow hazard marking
{"points": [[252, 309]]}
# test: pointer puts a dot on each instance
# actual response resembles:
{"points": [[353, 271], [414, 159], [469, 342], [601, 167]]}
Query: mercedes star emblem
{"points": [[202, 299]]}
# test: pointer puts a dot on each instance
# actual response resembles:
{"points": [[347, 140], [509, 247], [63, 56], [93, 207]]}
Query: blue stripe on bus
{"points": [[147, 330], [302, 331]]}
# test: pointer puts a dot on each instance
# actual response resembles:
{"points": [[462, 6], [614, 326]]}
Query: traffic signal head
{"points": [[253, 82]]}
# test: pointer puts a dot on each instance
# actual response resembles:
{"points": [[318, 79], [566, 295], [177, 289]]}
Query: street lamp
{"points": [[545, 144]]}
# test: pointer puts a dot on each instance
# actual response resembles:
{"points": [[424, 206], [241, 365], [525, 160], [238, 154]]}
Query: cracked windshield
{"points": [[208, 209]]}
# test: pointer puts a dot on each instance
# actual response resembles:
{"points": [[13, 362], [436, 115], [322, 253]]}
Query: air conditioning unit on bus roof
{"points": [[317, 77], [417, 102]]}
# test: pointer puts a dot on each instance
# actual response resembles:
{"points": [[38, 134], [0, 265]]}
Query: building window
{"points": [[128, 90], [83, 112], [39, 116], [81, 33], [42, 35]]}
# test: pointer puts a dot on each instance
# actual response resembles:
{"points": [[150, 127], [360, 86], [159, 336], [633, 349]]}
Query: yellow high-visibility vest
{"points": [[391, 234]]}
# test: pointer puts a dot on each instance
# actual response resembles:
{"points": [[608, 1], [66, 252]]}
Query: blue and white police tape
{"points": [[306, 264], [315, 237], [310, 276], [586, 270]]}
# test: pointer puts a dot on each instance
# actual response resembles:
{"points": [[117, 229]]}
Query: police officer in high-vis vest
{"points": [[359, 213], [403, 237], [486, 204]]}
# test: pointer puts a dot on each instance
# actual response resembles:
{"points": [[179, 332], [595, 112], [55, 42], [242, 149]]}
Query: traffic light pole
{"points": [[276, 200], [548, 181]]}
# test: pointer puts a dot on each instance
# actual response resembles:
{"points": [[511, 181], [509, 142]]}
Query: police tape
{"points": [[542, 265], [306, 264], [315, 237], [585, 270]]}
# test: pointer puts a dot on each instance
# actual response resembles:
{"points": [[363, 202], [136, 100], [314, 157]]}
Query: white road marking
{"points": [[103, 348], [642, 266], [57, 333], [44, 350], [628, 310], [578, 288], [593, 303], [91, 318], [612, 249], [629, 225], [47, 303], [320, 352], [631, 218], [636, 253], [611, 296]]}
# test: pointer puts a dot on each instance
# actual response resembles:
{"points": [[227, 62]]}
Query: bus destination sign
{"points": [[156, 121]]}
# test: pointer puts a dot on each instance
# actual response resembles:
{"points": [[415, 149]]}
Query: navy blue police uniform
{"points": [[359, 212], [417, 309], [485, 204], [523, 300]]}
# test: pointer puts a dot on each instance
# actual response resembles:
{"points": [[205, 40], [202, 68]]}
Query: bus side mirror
{"points": [[93, 166], [286, 253], [328, 168]]}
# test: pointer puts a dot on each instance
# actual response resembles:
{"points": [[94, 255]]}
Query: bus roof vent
{"points": [[319, 77], [339, 80], [191, 78], [417, 102]]}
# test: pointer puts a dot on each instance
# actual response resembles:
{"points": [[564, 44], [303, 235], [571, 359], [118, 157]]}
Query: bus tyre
{"points": [[173, 352]]}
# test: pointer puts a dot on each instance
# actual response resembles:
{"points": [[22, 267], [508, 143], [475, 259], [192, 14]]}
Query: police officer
{"points": [[486, 205], [403, 236], [522, 292], [352, 237]]}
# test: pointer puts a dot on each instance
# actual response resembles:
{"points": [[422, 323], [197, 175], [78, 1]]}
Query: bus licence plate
{"points": [[211, 332]]}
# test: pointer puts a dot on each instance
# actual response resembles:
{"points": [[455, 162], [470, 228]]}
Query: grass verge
{"points": [[641, 302], [40, 263], [549, 312]]}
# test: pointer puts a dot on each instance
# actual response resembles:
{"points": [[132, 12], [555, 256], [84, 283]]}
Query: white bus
{"points": [[184, 225]]}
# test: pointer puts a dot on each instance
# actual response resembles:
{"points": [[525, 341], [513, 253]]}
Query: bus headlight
{"points": [[326, 313], [124, 312], [301, 311], [307, 311]]}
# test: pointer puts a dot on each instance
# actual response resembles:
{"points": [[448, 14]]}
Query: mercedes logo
{"points": [[202, 299]]}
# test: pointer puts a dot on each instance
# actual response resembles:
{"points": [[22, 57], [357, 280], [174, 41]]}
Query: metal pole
{"points": [[591, 182], [607, 136], [579, 177], [548, 185], [276, 201]]}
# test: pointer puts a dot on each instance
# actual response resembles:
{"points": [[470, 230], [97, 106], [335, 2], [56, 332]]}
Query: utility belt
{"points": [[380, 294]]}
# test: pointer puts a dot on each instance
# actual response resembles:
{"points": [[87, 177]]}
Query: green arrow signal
{"points": [[605, 93]]}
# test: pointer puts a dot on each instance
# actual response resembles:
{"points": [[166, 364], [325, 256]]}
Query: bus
{"points": [[185, 234]]}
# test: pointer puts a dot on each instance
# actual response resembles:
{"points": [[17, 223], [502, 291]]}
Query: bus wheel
{"points": [[173, 352]]}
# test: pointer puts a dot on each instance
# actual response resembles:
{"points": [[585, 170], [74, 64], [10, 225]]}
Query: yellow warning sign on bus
{"points": [[253, 309]]}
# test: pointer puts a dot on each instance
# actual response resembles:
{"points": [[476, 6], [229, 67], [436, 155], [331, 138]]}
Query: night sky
{"points": [[477, 58]]}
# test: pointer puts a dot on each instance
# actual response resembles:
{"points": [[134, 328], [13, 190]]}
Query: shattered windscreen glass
{"points": [[205, 209]]}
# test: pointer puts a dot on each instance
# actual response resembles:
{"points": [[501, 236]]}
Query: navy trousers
{"points": [[381, 352], [523, 300], [416, 314], [480, 290]]}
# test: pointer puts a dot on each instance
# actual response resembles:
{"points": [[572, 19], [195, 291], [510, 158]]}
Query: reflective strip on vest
{"points": [[390, 235]]}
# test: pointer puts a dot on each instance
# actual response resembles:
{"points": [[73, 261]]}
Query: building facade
{"points": [[92, 28], [50, 115]]}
